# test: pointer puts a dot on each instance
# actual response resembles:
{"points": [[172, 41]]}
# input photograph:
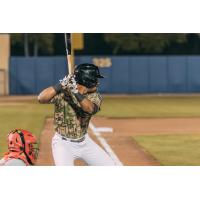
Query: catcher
{"points": [[22, 150], [76, 100]]}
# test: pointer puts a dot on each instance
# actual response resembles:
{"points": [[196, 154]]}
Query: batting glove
{"points": [[72, 85], [65, 81]]}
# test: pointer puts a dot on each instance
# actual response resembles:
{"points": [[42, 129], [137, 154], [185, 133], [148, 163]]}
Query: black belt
{"points": [[71, 140]]}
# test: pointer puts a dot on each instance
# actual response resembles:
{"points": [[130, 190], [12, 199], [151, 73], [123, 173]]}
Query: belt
{"points": [[71, 140]]}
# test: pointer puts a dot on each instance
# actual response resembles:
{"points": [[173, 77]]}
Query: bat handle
{"points": [[69, 61]]}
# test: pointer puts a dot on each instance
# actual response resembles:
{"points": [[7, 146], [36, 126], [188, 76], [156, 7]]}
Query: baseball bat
{"points": [[68, 47]]}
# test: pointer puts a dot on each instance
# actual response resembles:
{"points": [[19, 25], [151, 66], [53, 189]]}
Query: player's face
{"points": [[84, 90]]}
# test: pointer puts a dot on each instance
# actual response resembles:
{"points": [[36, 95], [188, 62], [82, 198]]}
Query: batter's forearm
{"points": [[46, 95], [87, 106], [80, 99]]}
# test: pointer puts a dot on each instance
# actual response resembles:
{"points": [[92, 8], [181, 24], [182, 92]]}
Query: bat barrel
{"points": [[68, 43]]}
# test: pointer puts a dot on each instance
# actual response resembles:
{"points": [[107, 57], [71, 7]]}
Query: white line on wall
{"points": [[105, 144]]}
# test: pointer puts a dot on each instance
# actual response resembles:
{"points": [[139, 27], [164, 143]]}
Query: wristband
{"points": [[79, 96], [57, 88]]}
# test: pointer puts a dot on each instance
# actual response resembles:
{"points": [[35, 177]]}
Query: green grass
{"points": [[30, 115], [27, 115], [151, 106], [172, 150]]}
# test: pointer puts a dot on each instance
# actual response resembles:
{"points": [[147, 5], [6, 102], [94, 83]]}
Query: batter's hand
{"points": [[65, 81], [72, 85]]}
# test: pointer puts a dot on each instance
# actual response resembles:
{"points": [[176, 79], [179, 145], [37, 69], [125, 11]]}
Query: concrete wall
{"points": [[4, 63]]}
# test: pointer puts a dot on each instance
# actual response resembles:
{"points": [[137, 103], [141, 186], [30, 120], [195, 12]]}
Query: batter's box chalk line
{"points": [[104, 129], [104, 143]]}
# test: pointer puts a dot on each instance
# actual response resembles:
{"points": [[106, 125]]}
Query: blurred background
{"points": [[151, 91], [144, 63]]}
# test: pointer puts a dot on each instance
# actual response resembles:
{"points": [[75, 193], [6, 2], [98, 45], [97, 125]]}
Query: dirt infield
{"points": [[129, 152], [45, 156], [17, 98], [121, 141]]}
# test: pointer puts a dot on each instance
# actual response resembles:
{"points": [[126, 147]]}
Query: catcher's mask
{"points": [[25, 142], [87, 75]]}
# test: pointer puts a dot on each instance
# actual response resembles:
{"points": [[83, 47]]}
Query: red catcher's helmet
{"points": [[23, 141]]}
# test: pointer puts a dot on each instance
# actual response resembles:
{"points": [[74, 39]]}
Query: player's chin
{"points": [[94, 85]]}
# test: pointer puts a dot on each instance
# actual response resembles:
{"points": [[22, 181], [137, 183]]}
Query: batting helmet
{"points": [[87, 74], [25, 142]]}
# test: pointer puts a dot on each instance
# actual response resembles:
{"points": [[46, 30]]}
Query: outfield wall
{"points": [[31, 75], [125, 74], [4, 63]]}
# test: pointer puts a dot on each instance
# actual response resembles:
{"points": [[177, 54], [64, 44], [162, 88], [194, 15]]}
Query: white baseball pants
{"points": [[66, 152]]}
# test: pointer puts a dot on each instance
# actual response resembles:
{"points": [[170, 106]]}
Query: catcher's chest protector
{"points": [[16, 155]]}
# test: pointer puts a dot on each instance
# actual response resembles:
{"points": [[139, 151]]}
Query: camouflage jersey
{"points": [[69, 118]]}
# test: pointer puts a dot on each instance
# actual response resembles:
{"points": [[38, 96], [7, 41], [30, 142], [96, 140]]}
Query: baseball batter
{"points": [[76, 100], [22, 150]]}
